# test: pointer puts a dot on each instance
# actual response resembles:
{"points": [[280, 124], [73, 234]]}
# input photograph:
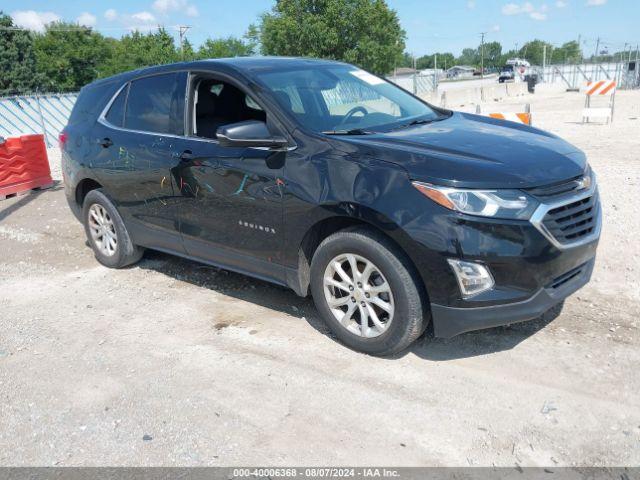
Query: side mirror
{"points": [[251, 133]]}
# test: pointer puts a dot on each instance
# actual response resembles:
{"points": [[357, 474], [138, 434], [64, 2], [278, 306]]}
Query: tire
{"points": [[101, 220], [389, 267]]}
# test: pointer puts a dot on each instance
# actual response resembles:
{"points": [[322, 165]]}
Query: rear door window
{"points": [[156, 104]]}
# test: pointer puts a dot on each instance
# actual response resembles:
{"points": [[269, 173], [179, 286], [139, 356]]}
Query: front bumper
{"points": [[451, 321], [531, 272]]}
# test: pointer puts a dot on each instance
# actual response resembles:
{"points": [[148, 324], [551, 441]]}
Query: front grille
{"points": [[552, 191], [573, 221]]}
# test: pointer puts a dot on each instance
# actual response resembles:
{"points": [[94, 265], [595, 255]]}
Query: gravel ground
{"points": [[173, 363]]}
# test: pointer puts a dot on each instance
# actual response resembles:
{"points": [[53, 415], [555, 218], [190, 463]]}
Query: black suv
{"points": [[332, 181]]}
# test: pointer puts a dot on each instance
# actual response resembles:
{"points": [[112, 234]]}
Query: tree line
{"points": [[492, 56], [66, 56]]}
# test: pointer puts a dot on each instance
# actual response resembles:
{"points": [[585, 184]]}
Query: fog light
{"points": [[473, 278]]}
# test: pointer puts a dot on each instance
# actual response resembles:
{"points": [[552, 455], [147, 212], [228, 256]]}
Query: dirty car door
{"points": [[230, 207], [136, 167]]}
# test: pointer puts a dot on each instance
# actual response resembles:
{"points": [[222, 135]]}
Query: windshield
{"points": [[342, 98]]}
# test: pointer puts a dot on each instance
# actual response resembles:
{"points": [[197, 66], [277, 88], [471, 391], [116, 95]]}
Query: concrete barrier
{"points": [[494, 92], [516, 89], [461, 97]]}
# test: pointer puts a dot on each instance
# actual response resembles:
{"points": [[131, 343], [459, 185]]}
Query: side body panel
{"points": [[136, 173], [229, 204]]}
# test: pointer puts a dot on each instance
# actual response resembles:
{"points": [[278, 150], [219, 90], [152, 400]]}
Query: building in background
{"points": [[460, 71]]}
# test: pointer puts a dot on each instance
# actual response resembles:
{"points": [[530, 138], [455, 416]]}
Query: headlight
{"points": [[509, 204]]}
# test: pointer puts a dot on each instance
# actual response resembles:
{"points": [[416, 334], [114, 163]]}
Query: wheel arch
{"points": [[361, 217], [83, 187]]}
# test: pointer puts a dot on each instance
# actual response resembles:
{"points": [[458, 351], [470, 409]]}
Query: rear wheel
{"points": [[107, 233], [366, 292]]}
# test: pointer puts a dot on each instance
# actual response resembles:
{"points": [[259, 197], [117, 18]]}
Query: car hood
{"points": [[473, 151]]}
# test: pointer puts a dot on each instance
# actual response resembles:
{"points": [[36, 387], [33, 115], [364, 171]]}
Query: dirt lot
{"points": [[174, 363]]}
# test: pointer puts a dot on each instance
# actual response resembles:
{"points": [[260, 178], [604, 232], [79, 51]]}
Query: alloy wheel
{"points": [[358, 295], [103, 231]]}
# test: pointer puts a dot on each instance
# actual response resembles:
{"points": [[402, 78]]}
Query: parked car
{"points": [[322, 177]]}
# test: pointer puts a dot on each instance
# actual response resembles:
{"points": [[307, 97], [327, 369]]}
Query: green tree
{"points": [[469, 56], [533, 51], [364, 32], [507, 55], [187, 51], [439, 60], [136, 50], [68, 56], [17, 59], [405, 60], [252, 38], [569, 52], [225, 47], [492, 54]]}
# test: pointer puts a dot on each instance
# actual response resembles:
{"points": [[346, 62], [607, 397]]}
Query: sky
{"points": [[431, 25]]}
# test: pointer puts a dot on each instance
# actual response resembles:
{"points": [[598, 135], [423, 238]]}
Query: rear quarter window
{"points": [[115, 115], [91, 101]]}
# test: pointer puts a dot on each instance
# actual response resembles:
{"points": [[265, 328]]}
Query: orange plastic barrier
{"points": [[23, 165]]}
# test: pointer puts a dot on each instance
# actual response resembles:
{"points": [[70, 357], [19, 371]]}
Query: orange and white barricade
{"points": [[518, 117], [602, 89]]}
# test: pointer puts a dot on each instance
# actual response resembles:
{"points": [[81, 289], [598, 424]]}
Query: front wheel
{"points": [[367, 292]]}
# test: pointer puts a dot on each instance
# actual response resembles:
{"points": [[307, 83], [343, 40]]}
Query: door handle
{"points": [[105, 142], [184, 156]]}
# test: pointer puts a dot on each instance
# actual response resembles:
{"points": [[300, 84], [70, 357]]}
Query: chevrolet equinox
{"points": [[325, 178]]}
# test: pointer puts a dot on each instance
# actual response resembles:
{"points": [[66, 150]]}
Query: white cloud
{"points": [[110, 14], [495, 28], [596, 3], [164, 7], [86, 19], [538, 15], [32, 20], [143, 17], [192, 11], [561, 4], [517, 9], [525, 8], [141, 21], [471, 4]]}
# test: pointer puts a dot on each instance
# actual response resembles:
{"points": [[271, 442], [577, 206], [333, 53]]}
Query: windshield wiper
{"points": [[353, 131], [421, 121]]}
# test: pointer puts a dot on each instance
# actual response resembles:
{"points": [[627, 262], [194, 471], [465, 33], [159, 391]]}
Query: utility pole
{"points": [[595, 59], [183, 32], [482, 54], [435, 71], [581, 58], [544, 60]]}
